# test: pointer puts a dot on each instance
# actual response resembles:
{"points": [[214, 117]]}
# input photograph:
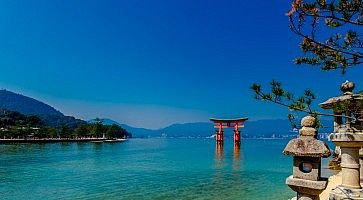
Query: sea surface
{"points": [[157, 168]]}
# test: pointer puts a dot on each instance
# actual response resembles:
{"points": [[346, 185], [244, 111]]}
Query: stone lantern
{"points": [[307, 152], [348, 135]]}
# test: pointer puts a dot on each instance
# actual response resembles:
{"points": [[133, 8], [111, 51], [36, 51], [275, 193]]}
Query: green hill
{"points": [[29, 106]]}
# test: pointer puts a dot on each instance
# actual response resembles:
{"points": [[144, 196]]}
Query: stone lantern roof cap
{"points": [[307, 146], [328, 104], [347, 87], [347, 96]]}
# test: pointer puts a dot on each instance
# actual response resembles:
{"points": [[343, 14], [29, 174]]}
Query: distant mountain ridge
{"points": [[29, 106], [259, 128], [25, 105], [54, 118]]}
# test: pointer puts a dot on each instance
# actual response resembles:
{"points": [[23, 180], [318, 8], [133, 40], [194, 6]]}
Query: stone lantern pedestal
{"points": [[348, 135], [350, 187], [361, 163], [307, 152]]}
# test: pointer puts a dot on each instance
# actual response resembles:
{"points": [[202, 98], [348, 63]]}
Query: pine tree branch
{"points": [[262, 95]]}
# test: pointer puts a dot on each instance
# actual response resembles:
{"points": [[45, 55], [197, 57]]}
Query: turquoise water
{"points": [[145, 169]]}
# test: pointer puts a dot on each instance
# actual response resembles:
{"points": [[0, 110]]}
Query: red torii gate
{"points": [[219, 124]]}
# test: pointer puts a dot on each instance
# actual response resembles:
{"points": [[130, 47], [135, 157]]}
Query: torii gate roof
{"points": [[236, 120]]}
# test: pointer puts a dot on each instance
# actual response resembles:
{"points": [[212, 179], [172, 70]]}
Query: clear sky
{"points": [[154, 63]]}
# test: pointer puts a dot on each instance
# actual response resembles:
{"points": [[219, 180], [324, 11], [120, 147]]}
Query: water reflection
{"points": [[219, 152], [236, 152], [20, 149], [219, 156], [98, 147], [236, 157], [228, 166], [219, 175], [81, 146], [237, 177]]}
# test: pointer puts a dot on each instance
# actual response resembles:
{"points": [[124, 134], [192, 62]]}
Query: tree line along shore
{"points": [[17, 126]]}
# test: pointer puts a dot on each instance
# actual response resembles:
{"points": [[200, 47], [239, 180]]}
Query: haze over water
{"points": [[145, 169]]}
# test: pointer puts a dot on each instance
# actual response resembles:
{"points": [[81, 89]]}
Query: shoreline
{"points": [[58, 140]]}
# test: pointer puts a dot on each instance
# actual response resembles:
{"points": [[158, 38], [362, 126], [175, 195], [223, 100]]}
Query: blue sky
{"points": [[154, 63]]}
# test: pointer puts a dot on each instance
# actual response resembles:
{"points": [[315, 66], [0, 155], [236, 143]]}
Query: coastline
{"points": [[57, 140], [54, 140]]}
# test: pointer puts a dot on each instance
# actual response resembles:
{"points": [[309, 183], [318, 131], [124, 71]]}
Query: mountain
{"points": [[267, 127], [259, 128], [105, 121], [52, 117], [29, 106], [26, 105], [198, 129]]}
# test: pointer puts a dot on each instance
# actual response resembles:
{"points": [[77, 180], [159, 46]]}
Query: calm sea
{"points": [[146, 169]]}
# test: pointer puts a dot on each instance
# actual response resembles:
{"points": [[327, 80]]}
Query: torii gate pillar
{"points": [[219, 134], [237, 134]]}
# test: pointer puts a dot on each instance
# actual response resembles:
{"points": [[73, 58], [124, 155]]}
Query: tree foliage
{"points": [[331, 32], [16, 125], [281, 96]]}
